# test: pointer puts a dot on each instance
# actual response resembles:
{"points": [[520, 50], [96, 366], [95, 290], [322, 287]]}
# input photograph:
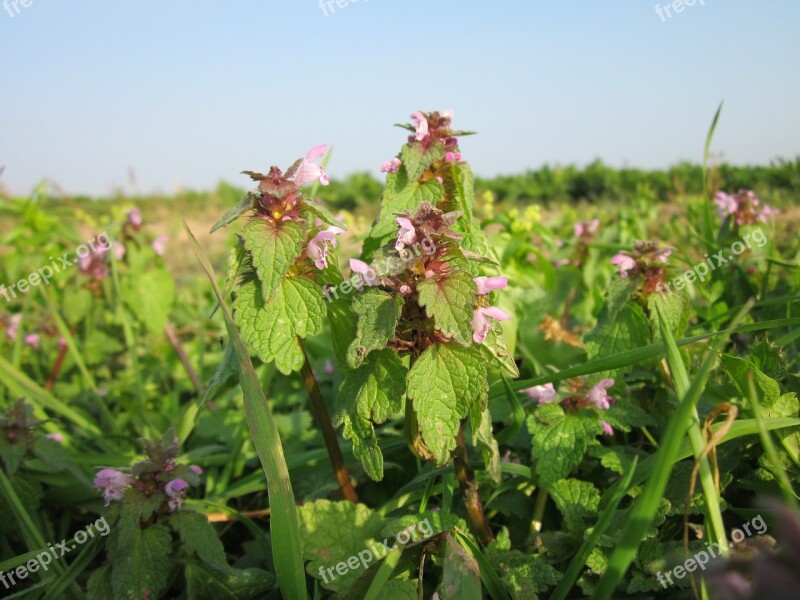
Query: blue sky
{"points": [[189, 93]]}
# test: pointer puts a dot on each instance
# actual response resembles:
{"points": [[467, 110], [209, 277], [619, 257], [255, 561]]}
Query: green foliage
{"points": [[378, 313], [271, 328], [444, 383], [272, 250], [450, 300], [560, 441]]}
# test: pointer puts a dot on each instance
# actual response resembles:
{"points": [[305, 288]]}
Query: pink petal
{"points": [[490, 284], [317, 152]]}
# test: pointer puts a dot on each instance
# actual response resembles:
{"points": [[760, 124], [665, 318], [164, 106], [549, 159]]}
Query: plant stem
{"points": [[175, 341], [469, 487], [329, 435]]}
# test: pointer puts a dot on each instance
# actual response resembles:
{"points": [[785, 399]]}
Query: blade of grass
{"points": [[384, 573], [461, 579], [681, 379], [284, 521], [646, 505], [708, 230], [76, 567], [611, 500], [489, 578]]}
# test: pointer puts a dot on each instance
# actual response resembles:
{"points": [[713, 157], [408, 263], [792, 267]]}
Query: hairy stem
{"points": [[329, 435], [469, 487]]}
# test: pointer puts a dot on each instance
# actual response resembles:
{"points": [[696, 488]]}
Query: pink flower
{"points": [[582, 228], [726, 204], [308, 171], [407, 235], [405, 290], [480, 321], [767, 212], [32, 339], [197, 470], [176, 490], [448, 114], [364, 271], [114, 483], [159, 244], [607, 428], [391, 166], [328, 368], [451, 156], [598, 396], [625, 264], [489, 284], [420, 124], [544, 394], [62, 343], [56, 437], [13, 327], [319, 247], [134, 217], [662, 254]]}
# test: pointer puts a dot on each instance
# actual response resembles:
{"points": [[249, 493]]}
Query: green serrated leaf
{"points": [[525, 575], [444, 383], [495, 350], [675, 307], [271, 329], [378, 313], [415, 158], [140, 565], [560, 440], [273, 249], [371, 394], [245, 204], [203, 583], [199, 537], [450, 301], [149, 294], [99, 584], [627, 331], [576, 500], [332, 532]]}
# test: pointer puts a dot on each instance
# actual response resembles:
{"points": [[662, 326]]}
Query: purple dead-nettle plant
{"points": [[158, 479], [421, 328]]}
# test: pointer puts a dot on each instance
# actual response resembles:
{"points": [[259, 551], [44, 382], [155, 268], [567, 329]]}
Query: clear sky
{"points": [[186, 93]]}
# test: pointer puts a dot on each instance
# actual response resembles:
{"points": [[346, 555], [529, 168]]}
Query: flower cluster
{"points": [[280, 198], [96, 263], [745, 208], [159, 473], [648, 260], [429, 128], [431, 228], [578, 395]]}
